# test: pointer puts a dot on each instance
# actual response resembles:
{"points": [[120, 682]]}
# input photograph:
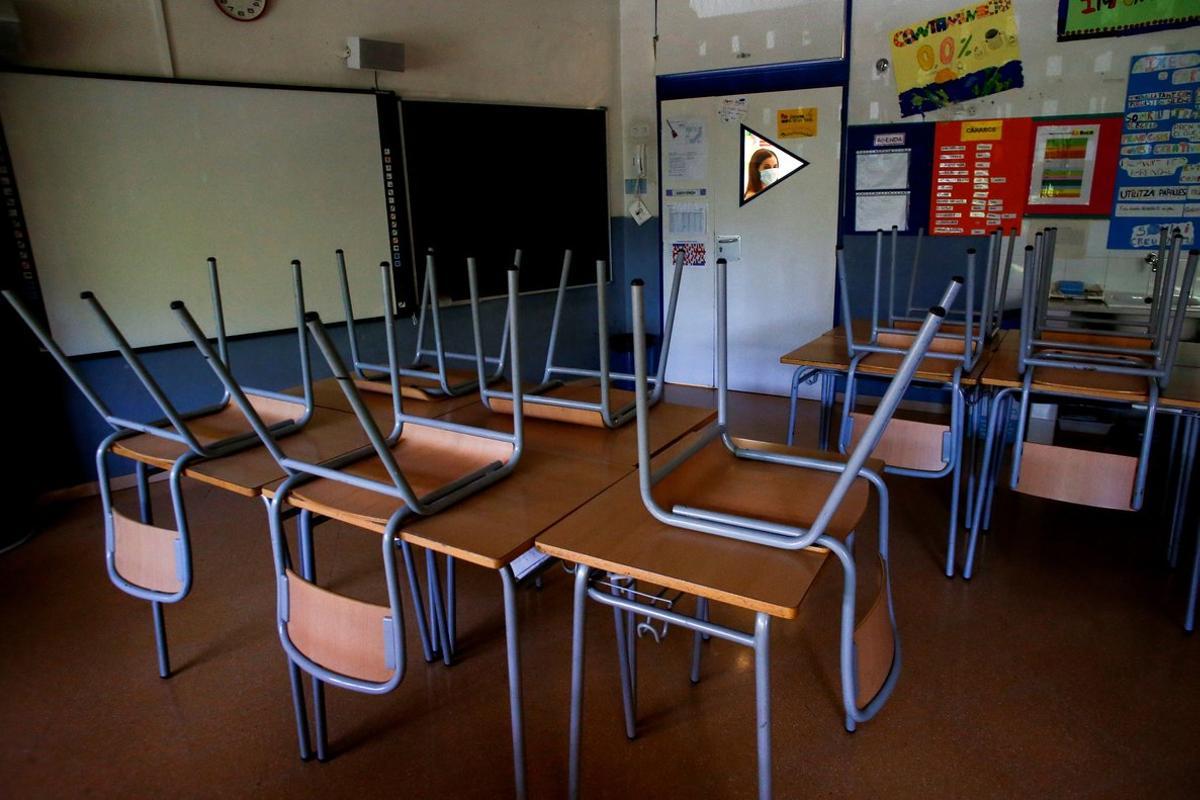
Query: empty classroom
{"points": [[600, 398]]}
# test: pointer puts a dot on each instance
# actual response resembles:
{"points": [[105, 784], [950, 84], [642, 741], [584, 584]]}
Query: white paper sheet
{"points": [[687, 150], [880, 211], [881, 169], [689, 219]]}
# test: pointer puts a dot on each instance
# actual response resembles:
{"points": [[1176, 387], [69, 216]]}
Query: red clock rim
{"points": [[255, 18]]}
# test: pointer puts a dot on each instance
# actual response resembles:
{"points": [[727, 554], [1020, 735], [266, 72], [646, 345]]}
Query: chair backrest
{"points": [[762, 531], [1148, 350], [959, 342]]}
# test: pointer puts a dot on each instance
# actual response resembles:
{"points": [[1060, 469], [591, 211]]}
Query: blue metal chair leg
{"points": [[698, 638], [515, 707], [437, 616], [418, 603], [298, 706], [160, 640]]}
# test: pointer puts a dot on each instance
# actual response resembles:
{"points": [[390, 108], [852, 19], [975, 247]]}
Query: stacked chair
{"points": [[711, 485], [419, 380], [1061, 358], [911, 447], [423, 466], [151, 562], [591, 399]]}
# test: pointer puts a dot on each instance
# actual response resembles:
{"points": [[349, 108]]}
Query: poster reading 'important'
{"points": [[980, 174], [1158, 172]]}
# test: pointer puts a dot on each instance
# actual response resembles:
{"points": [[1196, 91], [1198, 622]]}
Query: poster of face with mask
{"points": [[764, 164]]}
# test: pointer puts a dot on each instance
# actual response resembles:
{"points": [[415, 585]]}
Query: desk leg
{"points": [[513, 643], [621, 624], [993, 442], [143, 487], [828, 396], [762, 700], [1191, 439], [577, 645]]}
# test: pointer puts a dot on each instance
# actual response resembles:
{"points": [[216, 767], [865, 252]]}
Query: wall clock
{"points": [[242, 10]]}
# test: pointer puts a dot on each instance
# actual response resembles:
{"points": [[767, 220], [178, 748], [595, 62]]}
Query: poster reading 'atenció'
{"points": [[962, 55]]}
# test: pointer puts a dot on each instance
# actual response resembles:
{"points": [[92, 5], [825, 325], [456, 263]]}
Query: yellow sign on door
{"points": [[793, 122]]}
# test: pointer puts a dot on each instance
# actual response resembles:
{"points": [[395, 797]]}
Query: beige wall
{"points": [[564, 52]]}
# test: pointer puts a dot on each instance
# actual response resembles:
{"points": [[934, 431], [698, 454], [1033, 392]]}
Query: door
{"points": [[781, 289]]}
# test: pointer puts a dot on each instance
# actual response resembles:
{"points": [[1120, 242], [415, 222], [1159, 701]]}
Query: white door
{"points": [[781, 290]]}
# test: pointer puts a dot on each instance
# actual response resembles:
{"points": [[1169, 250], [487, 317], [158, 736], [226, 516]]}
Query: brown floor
{"points": [[1061, 670]]}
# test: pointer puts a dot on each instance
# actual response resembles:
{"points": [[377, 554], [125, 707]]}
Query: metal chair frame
{"points": [[417, 368], [622, 597], [553, 375], [173, 426]]}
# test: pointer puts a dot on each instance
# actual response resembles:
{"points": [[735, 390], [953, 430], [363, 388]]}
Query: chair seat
{"points": [[587, 391], [930, 369], [429, 457], [714, 479], [208, 430], [1082, 477], [414, 388]]}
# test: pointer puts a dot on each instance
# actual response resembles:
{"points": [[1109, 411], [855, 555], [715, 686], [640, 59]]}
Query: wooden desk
{"points": [[489, 529], [614, 532], [668, 422]]}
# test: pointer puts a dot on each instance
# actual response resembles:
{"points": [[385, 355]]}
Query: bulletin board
{"points": [[1074, 166], [1158, 176], [888, 177], [980, 175]]}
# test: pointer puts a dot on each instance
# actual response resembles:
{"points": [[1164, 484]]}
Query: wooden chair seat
{"points": [[1082, 477], [429, 457], [906, 443], [413, 388], [939, 344], [930, 369], [146, 556], [715, 479], [208, 430], [1091, 384], [340, 633], [586, 391]]}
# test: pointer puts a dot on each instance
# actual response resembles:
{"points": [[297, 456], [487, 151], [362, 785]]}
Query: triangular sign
{"points": [[765, 165]]}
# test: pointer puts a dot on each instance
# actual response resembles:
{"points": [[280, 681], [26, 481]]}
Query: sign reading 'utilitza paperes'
{"points": [[963, 55], [1158, 173]]}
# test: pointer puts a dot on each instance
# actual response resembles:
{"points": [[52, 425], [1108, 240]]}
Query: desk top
{"points": [[829, 352], [668, 422], [489, 529], [1183, 390], [615, 532]]}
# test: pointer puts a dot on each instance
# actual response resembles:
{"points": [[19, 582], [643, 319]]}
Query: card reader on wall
{"points": [[729, 247]]}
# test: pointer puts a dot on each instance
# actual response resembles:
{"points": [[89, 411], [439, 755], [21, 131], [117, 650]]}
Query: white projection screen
{"points": [[128, 186]]}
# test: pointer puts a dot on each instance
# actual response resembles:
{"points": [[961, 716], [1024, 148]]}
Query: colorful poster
{"points": [[963, 55], [1064, 164], [980, 174], [1091, 19], [693, 253], [795, 122], [1158, 172]]}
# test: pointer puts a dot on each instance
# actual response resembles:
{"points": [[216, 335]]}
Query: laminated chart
{"points": [[980, 174], [1158, 171]]}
